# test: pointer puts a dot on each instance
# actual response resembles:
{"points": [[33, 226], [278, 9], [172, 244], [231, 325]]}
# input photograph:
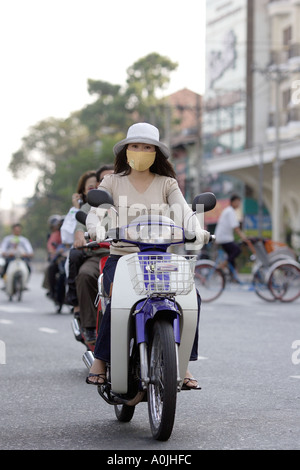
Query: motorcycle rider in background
{"points": [[13, 243], [53, 242]]}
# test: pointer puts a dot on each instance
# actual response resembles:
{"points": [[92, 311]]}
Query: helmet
{"points": [[54, 220]]}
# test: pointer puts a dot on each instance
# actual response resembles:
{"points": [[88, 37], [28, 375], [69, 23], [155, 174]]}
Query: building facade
{"points": [[185, 116], [251, 121]]}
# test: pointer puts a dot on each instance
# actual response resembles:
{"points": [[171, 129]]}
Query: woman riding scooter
{"points": [[143, 176]]}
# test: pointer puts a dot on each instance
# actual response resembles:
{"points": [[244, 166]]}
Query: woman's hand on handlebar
{"points": [[97, 233], [201, 237]]}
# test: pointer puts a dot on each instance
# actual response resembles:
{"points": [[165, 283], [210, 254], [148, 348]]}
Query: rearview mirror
{"points": [[204, 202], [80, 216], [99, 197]]}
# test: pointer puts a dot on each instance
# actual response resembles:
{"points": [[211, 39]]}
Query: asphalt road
{"points": [[248, 367]]}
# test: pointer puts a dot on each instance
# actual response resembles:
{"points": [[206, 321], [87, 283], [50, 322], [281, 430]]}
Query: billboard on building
{"points": [[224, 118]]}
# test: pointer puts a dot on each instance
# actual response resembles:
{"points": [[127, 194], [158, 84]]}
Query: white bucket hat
{"points": [[142, 133]]}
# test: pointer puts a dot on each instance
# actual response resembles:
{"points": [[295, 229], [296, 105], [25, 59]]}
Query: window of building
{"points": [[287, 36], [286, 98]]}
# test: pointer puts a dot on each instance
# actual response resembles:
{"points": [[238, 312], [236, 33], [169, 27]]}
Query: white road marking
{"points": [[6, 322], [265, 314], [202, 358], [15, 309], [295, 376], [48, 330]]}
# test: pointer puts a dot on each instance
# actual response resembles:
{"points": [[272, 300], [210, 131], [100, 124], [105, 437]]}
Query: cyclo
{"points": [[153, 317]]}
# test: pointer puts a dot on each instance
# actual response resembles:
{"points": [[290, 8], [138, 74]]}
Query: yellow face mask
{"points": [[140, 161]]}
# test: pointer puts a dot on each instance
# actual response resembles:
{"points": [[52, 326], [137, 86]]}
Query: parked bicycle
{"points": [[284, 281], [212, 276], [272, 257], [275, 274]]}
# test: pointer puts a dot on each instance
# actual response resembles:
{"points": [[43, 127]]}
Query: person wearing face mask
{"points": [[143, 179]]}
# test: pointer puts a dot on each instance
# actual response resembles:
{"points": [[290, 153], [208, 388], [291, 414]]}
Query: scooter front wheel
{"points": [[162, 389], [124, 413], [18, 287]]}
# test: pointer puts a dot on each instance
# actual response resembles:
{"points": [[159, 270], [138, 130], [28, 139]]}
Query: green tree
{"points": [[48, 142], [106, 113], [62, 149], [116, 108], [148, 77]]}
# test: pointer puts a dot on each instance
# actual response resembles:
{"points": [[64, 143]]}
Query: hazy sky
{"points": [[49, 48]]}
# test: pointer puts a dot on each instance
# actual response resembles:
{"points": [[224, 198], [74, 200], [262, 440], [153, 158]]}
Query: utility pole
{"points": [[276, 186], [277, 74], [199, 148], [168, 117], [260, 191]]}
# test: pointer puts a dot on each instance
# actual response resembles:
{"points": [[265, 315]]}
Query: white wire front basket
{"points": [[162, 274]]}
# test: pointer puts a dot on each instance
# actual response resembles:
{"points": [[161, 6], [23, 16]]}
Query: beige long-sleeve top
{"points": [[162, 197]]}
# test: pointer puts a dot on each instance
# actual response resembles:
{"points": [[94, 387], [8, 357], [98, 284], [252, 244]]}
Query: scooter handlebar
{"points": [[192, 239], [89, 244], [212, 238]]}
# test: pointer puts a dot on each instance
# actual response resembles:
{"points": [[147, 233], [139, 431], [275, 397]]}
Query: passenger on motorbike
{"points": [[79, 197], [83, 269], [143, 175], [54, 247], [14, 243]]}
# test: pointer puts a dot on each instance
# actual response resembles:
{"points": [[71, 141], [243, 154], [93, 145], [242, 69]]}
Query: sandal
{"points": [[101, 376], [185, 385]]}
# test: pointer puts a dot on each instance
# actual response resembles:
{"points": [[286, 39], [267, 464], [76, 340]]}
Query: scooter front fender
{"points": [[148, 310], [16, 266], [123, 299], [185, 314]]}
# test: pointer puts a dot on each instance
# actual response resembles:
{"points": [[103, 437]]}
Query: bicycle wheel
{"points": [[261, 286], [162, 389], [284, 282], [209, 280]]}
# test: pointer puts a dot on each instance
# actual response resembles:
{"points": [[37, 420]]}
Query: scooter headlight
{"points": [[154, 233]]}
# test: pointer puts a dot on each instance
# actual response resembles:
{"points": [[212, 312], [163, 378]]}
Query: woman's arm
{"points": [[96, 215], [184, 214]]}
